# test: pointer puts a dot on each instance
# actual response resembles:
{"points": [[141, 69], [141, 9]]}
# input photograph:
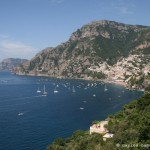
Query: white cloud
{"points": [[15, 49]]}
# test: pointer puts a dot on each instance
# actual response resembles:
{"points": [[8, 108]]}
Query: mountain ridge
{"points": [[93, 51]]}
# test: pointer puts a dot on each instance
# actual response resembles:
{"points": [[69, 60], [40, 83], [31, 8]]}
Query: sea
{"points": [[30, 120]]}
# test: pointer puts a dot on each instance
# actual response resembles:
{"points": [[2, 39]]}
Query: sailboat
{"points": [[105, 88], [73, 89], [38, 91], [44, 91], [55, 90]]}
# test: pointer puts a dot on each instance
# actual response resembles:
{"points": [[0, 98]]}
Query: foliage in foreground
{"points": [[80, 140], [131, 127]]}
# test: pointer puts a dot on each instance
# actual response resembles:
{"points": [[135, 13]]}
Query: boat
{"points": [[38, 91], [55, 90], [105, 88], [20, 114], [44, 92], [73, 89], [94, 95]]}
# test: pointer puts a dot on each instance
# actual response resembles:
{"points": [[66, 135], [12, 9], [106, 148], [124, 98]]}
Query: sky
{"points": [[28, 26]]}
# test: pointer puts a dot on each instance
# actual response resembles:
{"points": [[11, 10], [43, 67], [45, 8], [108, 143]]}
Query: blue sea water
{"points": [[30, 121]]}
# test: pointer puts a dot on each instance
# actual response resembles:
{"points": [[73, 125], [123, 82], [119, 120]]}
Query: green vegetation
{"points": [[38, 61], [130, 126], [22, 68], [117, 45], [146, 51], [80, 140], [72, 46], [32, 65], [79, 33], [137, 82], [147, 77], [94, 75], [147, 89]]}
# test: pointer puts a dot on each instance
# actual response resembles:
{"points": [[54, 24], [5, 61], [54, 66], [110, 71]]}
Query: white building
{"points": [[107, 136]]}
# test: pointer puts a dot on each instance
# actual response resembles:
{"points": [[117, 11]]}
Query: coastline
{"points": [[110, 81], [86, 79]]}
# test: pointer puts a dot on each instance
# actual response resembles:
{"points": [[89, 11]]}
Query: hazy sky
{"points": [[28, 26]]}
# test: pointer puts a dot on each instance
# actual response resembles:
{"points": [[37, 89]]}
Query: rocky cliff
{"points": [[11, 63], [101, 49]]}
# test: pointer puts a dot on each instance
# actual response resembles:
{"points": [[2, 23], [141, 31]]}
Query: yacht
{"points": [[73, 89], [44, 91], [105, 88]]}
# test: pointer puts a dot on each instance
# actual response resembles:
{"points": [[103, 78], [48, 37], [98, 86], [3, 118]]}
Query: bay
{"points": [[31, 121]]}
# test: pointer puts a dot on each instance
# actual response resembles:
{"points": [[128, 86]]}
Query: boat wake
{"points": [[18, 98], [27, 97]]}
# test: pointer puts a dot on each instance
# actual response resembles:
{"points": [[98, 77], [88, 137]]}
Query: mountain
{"points": [[10, 63], [99, 50]]}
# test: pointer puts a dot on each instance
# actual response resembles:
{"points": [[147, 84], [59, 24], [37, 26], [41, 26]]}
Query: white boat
{"points": [[44, 91], [20, 114], [73, 89], [55, 90], [38, 91], [105, 88]]}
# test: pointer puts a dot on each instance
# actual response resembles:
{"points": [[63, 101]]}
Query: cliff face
{"points": [[101, 49], [11, 63]]}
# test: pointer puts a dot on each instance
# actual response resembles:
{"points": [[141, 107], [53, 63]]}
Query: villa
{"points": [[99, 128]]}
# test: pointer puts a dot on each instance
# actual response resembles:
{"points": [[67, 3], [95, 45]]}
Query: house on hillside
{"points": [[99, 127]]}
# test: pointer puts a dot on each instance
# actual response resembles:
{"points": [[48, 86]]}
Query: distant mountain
{"points": [[101, 49], [10, 63]]}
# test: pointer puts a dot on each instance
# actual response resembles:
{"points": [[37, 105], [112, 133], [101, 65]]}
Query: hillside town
{"points": [[124, 70]]}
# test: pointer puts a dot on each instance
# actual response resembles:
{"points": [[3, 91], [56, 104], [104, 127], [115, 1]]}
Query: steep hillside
{"points": [[101, 49], [10, 63], [131, 129]]}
